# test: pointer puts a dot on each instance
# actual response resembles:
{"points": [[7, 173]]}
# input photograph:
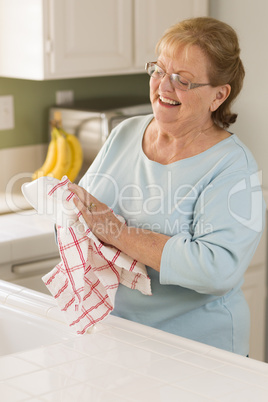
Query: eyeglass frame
{"points": [[191, 85]]}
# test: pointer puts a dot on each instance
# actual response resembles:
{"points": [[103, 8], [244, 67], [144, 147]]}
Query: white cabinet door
{"points": [[89, 37], [44, 39], [21, 39], [153, 17]]}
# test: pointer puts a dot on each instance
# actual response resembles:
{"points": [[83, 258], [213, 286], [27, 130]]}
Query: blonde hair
{"points": [[219, 42]]}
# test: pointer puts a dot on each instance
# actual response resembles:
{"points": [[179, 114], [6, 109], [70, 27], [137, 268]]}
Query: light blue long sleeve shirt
{"points": [[212, 208]]}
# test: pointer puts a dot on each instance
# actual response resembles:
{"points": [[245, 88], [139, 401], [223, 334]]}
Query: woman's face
{"points": [[190, 108]]}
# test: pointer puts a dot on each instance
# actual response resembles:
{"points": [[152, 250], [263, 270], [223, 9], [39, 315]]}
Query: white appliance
{"points": [[28, 248]]}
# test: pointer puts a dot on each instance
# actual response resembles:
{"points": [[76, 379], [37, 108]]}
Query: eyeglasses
{"points": [[176, 80]]}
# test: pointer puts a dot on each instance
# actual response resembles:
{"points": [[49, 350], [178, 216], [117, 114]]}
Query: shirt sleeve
{"points": [[227, 224]]}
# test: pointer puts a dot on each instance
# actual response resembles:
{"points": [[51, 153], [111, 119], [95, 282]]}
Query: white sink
{"points": [[29, 319], [20, 331]]}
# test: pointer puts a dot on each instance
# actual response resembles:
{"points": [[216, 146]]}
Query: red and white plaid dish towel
{"points": [[85, 282]]}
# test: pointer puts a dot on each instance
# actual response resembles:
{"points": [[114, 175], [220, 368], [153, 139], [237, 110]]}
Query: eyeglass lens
{"points": [[157, 72], [176, 80]]}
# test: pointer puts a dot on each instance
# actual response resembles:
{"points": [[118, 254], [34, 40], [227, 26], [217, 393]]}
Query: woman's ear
{"points": [[222, 93]]}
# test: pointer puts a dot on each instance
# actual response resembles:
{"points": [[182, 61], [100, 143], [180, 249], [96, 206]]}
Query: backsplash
{"points": [[32, 100]]}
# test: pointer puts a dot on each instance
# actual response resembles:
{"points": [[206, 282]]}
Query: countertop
{"points": [[10, 203], [121, 361]]}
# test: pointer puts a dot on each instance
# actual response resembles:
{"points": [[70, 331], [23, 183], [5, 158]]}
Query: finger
{"points": [[81, 193], [91, 203], [79, 204]]}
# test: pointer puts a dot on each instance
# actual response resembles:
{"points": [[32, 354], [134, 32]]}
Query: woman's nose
{"points": [[166, 84]]}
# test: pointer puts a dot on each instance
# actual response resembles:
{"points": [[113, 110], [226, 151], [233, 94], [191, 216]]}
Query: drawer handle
{"points": [[35, 266]]}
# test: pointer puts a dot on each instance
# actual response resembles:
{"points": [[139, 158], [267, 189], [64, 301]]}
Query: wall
{"points": [[32, 100], [249, 19]]}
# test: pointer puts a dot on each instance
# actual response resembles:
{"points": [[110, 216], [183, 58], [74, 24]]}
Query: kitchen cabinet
{"points": [[255, 291], [153, 17], [46, 39], [52, 39]]}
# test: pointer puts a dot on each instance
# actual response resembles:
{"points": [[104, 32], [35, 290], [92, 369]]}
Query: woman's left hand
{"points": [[98, 216]]}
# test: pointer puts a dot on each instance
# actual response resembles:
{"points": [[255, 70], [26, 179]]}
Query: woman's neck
{"points": [[167, 146]]}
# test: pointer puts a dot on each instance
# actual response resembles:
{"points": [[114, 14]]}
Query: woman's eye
{"points": [[182, 81], [158, 70]]}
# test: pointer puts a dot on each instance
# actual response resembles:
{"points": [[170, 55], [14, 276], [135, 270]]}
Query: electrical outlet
{"points": [[64, 97], [6, 112]]}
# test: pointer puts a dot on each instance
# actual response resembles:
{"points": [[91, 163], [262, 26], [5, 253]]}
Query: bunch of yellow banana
{"points": [[64, 156]]}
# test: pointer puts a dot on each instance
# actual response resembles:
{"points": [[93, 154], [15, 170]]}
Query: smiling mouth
{"points": [[167, 101]]}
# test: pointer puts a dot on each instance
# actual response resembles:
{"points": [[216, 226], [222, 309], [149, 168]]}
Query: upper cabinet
{"points": [[153, 17], [52, 39]]}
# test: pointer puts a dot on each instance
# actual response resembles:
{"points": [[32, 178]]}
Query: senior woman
{"points": [[184, 185]]}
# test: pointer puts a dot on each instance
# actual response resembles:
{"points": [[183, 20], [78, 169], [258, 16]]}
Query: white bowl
{"points": [[54, 207]]}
